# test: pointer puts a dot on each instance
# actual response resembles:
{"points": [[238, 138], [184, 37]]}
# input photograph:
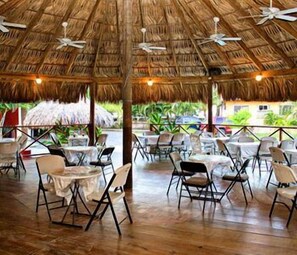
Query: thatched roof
{"points": [[180, 72], [48, 113]]}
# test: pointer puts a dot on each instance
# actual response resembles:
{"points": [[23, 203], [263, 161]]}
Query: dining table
{"points": [[244, 149], [75, 184], [81, 154]]}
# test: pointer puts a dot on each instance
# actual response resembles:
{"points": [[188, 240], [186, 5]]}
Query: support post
{"points": [[127, 90], [92, 113], [209, 104]]}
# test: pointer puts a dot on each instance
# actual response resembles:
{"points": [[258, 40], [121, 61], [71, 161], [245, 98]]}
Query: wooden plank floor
{"points": [[159, 227]]}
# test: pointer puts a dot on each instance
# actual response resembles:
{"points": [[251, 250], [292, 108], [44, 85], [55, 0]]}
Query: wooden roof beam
{"points": [[170, 40], [250, 54], [188, 31], [82, 35], [198, 23], [262, 33], [118, 80], [33, 22], [50, 46]]}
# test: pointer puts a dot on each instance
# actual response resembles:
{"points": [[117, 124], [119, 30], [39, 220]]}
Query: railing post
{"points": [[280, 134]]}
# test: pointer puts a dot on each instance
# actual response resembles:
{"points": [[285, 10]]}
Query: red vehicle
{"points": [[225, 129]]}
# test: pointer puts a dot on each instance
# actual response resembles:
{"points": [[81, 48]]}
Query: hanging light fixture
{"points": [[150, 82], [38, 80], [259, 77]]}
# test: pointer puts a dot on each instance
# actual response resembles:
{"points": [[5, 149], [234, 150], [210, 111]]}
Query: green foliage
{"points": [[171, 126], [156, 120], [292, 122], [241, 117], [274, 119], [98, 131]]}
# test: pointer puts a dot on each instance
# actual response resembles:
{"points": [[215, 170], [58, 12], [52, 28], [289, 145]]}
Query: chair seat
{"points": [[197, 181], [114, 196], [184, 173], [289, 192], [50, 187], [101, 163], [234, 177]]}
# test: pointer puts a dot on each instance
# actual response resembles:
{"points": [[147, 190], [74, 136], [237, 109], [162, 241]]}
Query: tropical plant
{"points": [[272, 118], [241, 117], [156, 120]]}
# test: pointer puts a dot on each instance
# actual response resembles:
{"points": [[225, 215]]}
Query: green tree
{"points": [[241, 117]]}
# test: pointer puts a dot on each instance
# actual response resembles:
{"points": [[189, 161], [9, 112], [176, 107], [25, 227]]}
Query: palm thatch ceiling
{"points": [[180, 72]]}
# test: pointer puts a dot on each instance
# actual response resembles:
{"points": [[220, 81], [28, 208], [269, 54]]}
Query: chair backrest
{"points": [[245, 139], [244, 165], [165, 138], [101, 140], [272, 139], [50, 163], [175, 159], [194, 167], [278, 155], [56, 150], [178, 138], [283, 173], [264, 146], [288, 144], [8, 149], [55, 139], [120, 176], [149, 133], [195, 143], [22, 141], [107, 152]]}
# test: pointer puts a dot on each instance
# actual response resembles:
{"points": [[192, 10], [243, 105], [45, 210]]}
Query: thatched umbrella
{"points": [[48, 113]]}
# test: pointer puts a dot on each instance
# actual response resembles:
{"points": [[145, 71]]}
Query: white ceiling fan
{"points": [[269, 13], [148, 47], [218, 38], [67, 41], [4, 24]]}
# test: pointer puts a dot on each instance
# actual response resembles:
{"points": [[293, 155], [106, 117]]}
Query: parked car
{"points": [[194, 121], [224, 129]]}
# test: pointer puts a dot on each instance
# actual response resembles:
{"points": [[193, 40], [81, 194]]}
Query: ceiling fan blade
{"points": [[79, 42], [3, 29], [262, 21], [157, 48], [231, 39], [286, 17], [14, 25], [288, 11], [252, 16], [60, 46], [221, 43], [265, 9], [148, 50], [75, 45]]}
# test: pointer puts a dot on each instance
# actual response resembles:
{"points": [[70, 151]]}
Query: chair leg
{"points": [[246, 202], [169, 185], [104, 174], [273, 203], [180, 194], [204, 200], [93, 216], [128, 211], [22, 163], [291, 211], [268, 181], [115, 218], [104, 211], [37, 202], [248, 182], [46, 204]]}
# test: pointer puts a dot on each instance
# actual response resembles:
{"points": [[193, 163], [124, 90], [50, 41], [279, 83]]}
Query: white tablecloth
{"points": [[73, 153], [212, 161], [244, 150], [86, 178], [78, 140], [292, 155]]}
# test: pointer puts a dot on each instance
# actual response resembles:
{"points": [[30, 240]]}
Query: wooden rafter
{"points": [[243, 46], [188, 31], [57, 32], [10, 5], [33, 22], [204, 31], [263, 34], [170, 40], [82, 35], [118, 35]]}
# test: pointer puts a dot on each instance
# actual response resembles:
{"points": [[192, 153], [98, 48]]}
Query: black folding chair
{"points": [[240, 176], [198, 182], [104, 160], [55, 150], [55, 139]]}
